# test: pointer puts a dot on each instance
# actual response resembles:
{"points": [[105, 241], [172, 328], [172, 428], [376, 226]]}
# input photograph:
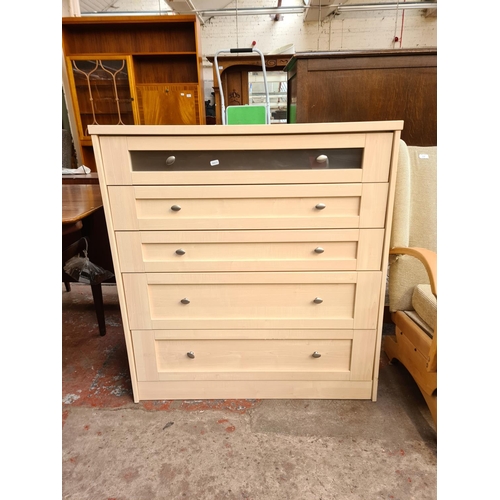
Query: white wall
{"points": [[347, 31]]}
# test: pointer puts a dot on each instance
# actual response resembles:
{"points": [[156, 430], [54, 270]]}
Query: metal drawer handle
{"points": [[170, 160], [175, 208], [316, 354], [180, 251], [190, 354], [318, 300], [320, 206], [319, 250], [185, 301]]}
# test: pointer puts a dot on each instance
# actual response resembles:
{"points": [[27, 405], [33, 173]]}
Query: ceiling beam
{"points": [[318, 10]]}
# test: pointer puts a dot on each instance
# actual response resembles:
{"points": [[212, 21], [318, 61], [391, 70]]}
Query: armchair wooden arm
{"points": [[429, 259]]}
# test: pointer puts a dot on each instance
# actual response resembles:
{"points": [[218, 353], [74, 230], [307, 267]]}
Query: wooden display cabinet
{"points": [[133, 70]]}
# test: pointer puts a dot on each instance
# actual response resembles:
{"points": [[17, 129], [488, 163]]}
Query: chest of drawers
{"points": [[250, 261]]}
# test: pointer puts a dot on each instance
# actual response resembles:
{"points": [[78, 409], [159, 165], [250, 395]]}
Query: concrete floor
{"points": [[115, 449]]}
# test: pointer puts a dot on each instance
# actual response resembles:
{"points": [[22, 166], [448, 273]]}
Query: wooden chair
{"points": [[413, 270], [76, 248], [70, 234]]}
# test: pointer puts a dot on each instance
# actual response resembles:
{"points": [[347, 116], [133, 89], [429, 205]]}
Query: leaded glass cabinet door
{"points": [[103, 91]]}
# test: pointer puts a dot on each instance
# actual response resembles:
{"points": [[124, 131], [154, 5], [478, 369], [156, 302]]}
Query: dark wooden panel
{"points": [[353, 87], [166, 69], [378, 62], [128, 38]]}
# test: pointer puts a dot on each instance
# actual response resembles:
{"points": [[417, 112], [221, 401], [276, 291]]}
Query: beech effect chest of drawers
{"points": [[250, 260]]}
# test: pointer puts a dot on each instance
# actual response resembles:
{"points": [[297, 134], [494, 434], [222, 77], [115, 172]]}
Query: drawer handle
{"points": [[175, 208], [316, 354], [170, 160], [318, 300], [319, 250], [322, 159], [190, 354], [180, 251], [185, 301], [320, 206]]}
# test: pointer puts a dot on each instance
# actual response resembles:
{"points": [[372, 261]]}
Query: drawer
{"points": [[291, 206], [223, 155], [253, 300], [254, 355], [284, 250]]}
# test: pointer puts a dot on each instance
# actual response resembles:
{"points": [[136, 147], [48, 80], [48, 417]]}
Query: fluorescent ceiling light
{"points": [[381, 6], [252, 11]]}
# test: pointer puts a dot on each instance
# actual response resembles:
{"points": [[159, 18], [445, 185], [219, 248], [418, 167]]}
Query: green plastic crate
{"points": [[246, 115]]}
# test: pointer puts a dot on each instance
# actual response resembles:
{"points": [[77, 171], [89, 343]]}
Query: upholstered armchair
{"points": [[412, 270]]}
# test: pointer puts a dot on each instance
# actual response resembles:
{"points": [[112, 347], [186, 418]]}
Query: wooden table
{"points": [[79, 201], [82, 210], [83, 216]]}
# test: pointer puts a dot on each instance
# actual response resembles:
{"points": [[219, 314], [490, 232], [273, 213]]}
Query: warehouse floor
{"points": [[115, 449]]}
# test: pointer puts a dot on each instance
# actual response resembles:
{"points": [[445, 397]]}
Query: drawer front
{"points": [[253, 300], [283, 157], [195, 251], [172, 355], [248, 207]]}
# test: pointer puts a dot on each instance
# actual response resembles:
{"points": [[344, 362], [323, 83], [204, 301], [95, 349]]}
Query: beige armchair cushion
{"points": [[404, 273], [414, 221], [425, 304]]}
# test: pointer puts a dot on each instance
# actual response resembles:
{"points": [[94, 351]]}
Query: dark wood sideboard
{"points": [[367, 86]]}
